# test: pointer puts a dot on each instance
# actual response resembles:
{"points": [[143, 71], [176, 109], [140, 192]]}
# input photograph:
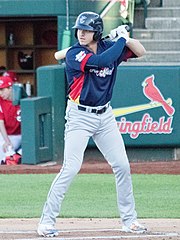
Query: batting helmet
{"points": [[90, 21]]}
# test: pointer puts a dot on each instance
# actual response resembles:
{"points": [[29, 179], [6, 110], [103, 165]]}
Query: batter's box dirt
{"points": [[90, 229], [96, 166]]}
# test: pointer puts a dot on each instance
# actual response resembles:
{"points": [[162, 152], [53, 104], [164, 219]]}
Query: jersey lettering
{"points": [[103, 72], [18, 118]]}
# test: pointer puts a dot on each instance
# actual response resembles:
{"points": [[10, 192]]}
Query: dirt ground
{"points": [[91, 229], [160, 167]]}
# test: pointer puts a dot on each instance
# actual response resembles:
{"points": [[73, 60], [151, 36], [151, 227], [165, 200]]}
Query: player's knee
{"points": [[74, 170], [71, 169], [121, 167]]}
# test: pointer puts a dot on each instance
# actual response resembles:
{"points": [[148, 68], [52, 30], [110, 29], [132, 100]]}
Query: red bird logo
{"points": [[154, 94]]}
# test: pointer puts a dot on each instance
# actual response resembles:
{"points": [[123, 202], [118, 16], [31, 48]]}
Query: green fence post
{"points": [[51, 83], [36, 130]]}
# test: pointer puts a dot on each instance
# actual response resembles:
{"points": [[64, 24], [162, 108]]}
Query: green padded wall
{"points": [[51, 83], [36, 124], [160, 129]]}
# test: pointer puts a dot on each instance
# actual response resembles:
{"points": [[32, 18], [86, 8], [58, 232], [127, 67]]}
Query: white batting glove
{"points": [[119, 32], [113, 34]]}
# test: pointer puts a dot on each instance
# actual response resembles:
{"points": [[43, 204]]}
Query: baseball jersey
{"points": [[90, 76], [11, 116]]}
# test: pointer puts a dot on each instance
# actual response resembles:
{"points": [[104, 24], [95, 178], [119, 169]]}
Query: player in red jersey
{"points": [[10, 119]]}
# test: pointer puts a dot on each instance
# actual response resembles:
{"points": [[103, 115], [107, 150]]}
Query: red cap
{"points": [[5, 82], [11, 74]]}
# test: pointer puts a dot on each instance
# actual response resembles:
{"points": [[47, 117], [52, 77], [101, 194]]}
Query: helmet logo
{"points": [[82, 19]]}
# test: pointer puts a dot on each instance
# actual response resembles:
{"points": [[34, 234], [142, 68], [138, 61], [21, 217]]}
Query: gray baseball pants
{"points": [[80, 126]]}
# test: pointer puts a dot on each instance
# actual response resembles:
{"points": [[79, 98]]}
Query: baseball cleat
{"points": [[135, 227], [47, 230]]}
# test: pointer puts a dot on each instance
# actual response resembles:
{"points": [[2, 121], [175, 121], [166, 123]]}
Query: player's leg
{"points": [[16, 141], [108, 139], [75, 145], [77, 135], [2, 154]]}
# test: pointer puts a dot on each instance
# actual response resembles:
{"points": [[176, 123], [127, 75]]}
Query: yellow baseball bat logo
{"points": [[137, 108]]}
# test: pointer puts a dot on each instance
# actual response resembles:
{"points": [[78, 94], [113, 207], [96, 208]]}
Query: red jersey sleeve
{"points": [[1, 111], [127, 53]]}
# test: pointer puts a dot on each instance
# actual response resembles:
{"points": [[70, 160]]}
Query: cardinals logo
{"points": [[147, 124], [152, 92]]}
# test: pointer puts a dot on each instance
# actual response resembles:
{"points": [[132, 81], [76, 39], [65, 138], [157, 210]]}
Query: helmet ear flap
{"points": [[97, 36]]}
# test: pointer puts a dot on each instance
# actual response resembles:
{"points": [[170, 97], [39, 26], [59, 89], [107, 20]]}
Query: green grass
{"points": [[90, 195]]}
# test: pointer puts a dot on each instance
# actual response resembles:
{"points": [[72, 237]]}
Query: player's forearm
{"points": [[136, 47], [106, 58], [4, 132]]}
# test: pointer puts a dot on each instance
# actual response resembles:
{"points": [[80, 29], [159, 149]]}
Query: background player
{"points": [[10, 120], [91, 67]]}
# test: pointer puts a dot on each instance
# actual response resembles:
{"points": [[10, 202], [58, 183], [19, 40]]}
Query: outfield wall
{"points": [[150, 129]]}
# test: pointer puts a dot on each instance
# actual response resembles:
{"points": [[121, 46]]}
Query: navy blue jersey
{"points": [[90, 76]]}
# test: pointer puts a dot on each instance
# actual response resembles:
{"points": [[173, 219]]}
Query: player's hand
{"points": [[121, 31], [6, 146], [113, 34]]}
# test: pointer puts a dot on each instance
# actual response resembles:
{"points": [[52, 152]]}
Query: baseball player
{"points": [[10, 120], [91, 67]]}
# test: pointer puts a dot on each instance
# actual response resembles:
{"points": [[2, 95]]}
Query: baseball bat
{"points": [[59, 55], [107, 8]]}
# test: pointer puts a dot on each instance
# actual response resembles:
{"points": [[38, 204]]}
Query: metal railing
{"points": [[145, 6]]}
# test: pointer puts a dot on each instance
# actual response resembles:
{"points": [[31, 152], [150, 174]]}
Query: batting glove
{"points": [[121, 31]]}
